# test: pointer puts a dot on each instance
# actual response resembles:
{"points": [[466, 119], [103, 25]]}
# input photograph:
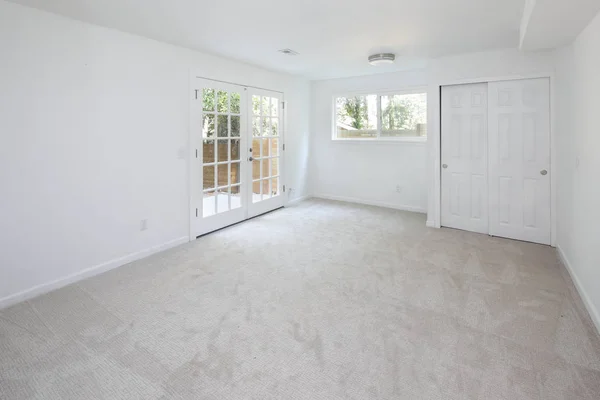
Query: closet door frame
{"points": [[434, 219]]}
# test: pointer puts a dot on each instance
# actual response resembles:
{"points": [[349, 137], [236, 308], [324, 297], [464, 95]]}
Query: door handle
{"points": [[250, 158], [543, 172], [444, 165]]}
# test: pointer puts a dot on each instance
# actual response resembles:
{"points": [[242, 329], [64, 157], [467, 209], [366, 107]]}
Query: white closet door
{"points": [[519, 153], [464, 157]]}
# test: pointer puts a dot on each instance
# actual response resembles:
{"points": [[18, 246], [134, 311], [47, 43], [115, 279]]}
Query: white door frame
{"points": [[434, 96], [193, 163]]}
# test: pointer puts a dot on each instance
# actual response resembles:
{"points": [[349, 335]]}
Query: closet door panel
{"points": [[464, 157], [519, 159]]}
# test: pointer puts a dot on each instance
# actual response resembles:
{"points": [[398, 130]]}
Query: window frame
{"points": [[378, 93]]}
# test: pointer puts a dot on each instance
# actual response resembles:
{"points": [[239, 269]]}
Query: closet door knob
{"points": [[444, 165], [543, 172]]}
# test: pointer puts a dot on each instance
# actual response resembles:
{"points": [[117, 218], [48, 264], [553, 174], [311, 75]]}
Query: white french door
{"points": [[265, 152], [495, 154], [236, 142]]}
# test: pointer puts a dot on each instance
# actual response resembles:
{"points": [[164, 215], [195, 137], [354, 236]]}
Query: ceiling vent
{"points": [[382, 58], [288, 52]]}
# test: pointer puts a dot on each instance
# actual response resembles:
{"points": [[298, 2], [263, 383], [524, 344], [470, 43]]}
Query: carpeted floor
{"points": [[323, 300]]}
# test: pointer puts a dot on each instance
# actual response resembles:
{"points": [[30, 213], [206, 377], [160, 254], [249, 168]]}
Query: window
{"points": [[391, 116]]}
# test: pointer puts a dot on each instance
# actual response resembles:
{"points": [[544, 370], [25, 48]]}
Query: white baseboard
{"points": [[584, 296], [430, 224], [297, 200], [371, 203], [38, 290]]}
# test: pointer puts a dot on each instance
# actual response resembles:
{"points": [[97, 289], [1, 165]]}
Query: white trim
{"points": [[406, 140], [297, 200], [595, 316], [434, 138], [192, 125], [38, 290], [371, 203], [430, 224], [553, 165], [383, 91]]}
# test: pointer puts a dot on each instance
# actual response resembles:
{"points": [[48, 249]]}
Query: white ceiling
{"points": [[333, 37], [551, 23]]}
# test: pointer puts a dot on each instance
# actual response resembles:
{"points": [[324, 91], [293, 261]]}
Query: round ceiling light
{"points": [[382, 58]]}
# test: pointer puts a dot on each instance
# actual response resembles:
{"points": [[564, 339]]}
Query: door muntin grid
{"points": [[266, 147], [221, 150]]}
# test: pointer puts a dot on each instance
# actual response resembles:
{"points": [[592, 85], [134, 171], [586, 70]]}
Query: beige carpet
{"points": [[323, 300]]}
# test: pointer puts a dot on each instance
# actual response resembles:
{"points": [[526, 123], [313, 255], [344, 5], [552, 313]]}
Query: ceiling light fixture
{"points": [[382, 58], [288, 52]]}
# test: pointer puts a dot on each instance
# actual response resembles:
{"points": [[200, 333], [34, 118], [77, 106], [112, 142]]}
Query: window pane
{"points": [[356, 117], [235, 126], [208, 177], [256, 191], [275, 126], [222, 200], [208, 151], [275, 187], [274, 106], [274, 147], [222, 125], [266, 107], [275, 166], [223, 174], [266, 126], [256, 126], [256, 105], [222, 101], [256, 170], [235, 103], [266, 189], [208, 204], [236, 197], [255, 148], [222, 150], [235, 149], [265, 168], [265, 148], [208, 125], [208, 99], [404, 115], [235, 173]]}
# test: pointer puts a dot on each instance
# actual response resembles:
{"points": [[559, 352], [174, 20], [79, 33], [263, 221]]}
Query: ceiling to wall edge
{"points": [[534, 15], [544, 26]]}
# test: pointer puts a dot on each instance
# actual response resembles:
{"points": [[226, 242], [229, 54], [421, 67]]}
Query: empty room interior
{"points": [[300, 200]]}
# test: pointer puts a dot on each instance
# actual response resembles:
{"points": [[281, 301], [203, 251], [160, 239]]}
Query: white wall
{"points": [[577, 109], [92, 121], [367, 172]]}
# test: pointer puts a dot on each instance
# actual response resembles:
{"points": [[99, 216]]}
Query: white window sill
{"points": [[415, 140]]}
